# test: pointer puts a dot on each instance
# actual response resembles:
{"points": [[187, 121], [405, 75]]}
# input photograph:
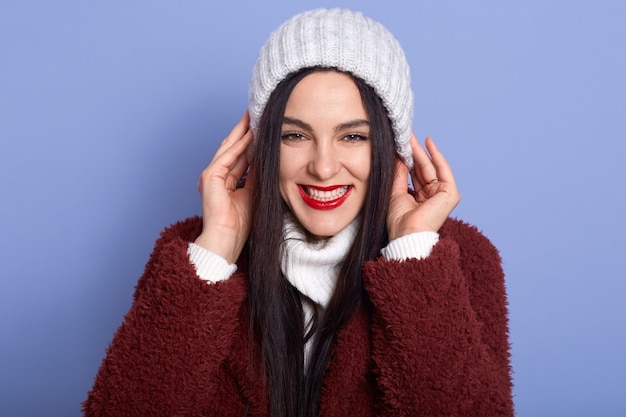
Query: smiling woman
{"points": [[325, 153], [337, 292]]}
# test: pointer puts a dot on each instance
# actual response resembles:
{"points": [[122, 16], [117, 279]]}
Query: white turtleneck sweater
{"points": [[313, 267]]}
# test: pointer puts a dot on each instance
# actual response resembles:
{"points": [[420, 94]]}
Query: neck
{"points": [[313, 265]]}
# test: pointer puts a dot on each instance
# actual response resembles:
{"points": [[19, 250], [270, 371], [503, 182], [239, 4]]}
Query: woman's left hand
{"points": [[436, 193]]}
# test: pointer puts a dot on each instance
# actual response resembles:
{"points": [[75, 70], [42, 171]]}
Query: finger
{"points": [[237, 174], [233, 172], [229, 153], [230, 165], [242, 126], [424, 169], [400, 178], [244, 181], [443, 169]]}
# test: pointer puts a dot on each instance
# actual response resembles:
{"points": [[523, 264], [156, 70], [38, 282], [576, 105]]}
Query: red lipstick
{"points": [[324, 205]]}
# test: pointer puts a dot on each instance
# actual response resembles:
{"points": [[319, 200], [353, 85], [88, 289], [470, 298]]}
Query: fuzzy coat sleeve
{"points": [[167, 356], [440, 329]]}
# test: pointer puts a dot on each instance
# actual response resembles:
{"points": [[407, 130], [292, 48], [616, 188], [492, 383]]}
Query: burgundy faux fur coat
{"points": [[435, 343]]}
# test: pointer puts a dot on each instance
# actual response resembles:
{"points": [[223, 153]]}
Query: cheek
{"points": [[362, 164], [284, 171], [367, 169], [282, 182], [292, 162], [286, 175]]}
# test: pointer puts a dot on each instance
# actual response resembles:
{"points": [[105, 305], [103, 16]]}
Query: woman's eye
{"points": [[292, 136], [354, 137]]}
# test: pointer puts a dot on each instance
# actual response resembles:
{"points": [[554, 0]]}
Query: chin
{"points": [[323, 230]]}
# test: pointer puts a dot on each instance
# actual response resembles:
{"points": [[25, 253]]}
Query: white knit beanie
{"points": [[347, 41]]}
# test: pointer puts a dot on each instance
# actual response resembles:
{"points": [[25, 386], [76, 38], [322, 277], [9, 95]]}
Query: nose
{"points": [[325, 162]]}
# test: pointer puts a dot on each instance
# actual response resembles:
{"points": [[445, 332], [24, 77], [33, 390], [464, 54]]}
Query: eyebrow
{"points": [[351, 125], [342, 126], [297, 122]]}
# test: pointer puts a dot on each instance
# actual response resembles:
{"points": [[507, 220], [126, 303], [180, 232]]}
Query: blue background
{"points": [[110, 110]]}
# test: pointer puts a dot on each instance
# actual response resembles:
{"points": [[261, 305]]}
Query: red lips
{"points": [[324, 205]]}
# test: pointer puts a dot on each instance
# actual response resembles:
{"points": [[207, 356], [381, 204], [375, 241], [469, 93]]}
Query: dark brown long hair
{"points": [[275, 306]]}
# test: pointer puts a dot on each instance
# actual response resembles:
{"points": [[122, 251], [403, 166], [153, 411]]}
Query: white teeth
{"points": [[324, 196]]}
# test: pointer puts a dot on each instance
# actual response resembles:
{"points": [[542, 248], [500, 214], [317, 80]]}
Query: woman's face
{"points": [[325, 153]]}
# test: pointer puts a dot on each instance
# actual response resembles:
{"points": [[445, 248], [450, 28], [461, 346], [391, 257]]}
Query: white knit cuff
{"points": [[414, 245], [209, 265]]}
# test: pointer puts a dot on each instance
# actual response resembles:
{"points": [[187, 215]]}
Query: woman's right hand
{"points": [[225, 208]]}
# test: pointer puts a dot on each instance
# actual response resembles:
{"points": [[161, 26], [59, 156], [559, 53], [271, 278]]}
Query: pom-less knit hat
{"points": [[349, 42]]}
